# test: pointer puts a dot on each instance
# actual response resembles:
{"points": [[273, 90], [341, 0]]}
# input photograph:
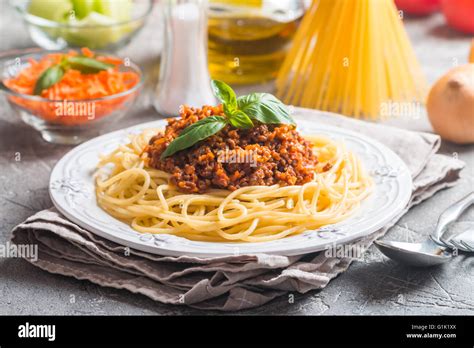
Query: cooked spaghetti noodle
{"points": [[130, 190]]}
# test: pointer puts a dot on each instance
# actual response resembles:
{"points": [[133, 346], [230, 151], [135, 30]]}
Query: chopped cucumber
{"points": [[83, 7], [54, 10], [119, 10], [86, 24], [86, 33]]}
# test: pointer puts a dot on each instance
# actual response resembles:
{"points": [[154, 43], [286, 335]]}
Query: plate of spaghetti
{"points": [[242, 177]]}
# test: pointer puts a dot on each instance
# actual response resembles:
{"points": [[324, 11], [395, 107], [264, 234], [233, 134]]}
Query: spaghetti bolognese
{"points": [[294, 184]]}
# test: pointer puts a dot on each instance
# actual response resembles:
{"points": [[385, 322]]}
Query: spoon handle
{"points": [[450, 215]]}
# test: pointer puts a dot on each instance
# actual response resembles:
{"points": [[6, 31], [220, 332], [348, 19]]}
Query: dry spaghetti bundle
{"points": [[351, 56]]}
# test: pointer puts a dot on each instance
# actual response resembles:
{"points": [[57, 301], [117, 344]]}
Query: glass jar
{"points": [[248, 39]]}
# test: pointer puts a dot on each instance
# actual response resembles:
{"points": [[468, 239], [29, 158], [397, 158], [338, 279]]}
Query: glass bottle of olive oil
{"points": [[248, 39]]}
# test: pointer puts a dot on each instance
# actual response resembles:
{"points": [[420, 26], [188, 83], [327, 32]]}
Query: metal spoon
{"points": [[432, 251]]}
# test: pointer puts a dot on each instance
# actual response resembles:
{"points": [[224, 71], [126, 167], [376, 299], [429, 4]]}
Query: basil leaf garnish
{"points": [[239, 112], [87, 65], [240, 120], [55, 73], [196, 132], [48, 78], [265, 108], [228, 110], [224, 93]]}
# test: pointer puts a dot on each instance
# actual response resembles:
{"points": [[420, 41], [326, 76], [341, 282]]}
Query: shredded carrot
{"points": [[87, 52], [74, 86]]}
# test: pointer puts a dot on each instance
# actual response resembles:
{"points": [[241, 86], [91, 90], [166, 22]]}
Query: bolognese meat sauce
{"points": [[266, 154]]}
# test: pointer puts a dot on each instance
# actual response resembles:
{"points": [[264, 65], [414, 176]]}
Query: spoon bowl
{"points": [[423, 254], [433, 251]]}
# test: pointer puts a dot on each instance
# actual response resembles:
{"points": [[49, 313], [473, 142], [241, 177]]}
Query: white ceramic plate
{"points": [[72, 192]]}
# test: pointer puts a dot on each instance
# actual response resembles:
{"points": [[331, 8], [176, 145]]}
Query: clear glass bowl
{"points": [[53, 35], [67, 121]]}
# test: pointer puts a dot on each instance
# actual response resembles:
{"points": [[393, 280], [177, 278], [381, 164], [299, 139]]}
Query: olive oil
{"points": [[248, 40]]}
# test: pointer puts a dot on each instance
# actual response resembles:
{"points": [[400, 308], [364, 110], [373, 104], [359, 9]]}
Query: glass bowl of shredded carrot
{"points": [[70, 96]]}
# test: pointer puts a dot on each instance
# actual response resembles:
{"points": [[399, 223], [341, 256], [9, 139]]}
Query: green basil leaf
{"points": [[228, 110], [265, 108], [240, 120], [196, 132], [224, 93], [48, 78], [206, 120], [87, 65]]}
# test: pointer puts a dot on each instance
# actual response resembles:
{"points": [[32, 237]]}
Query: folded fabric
{"points": [[235, 282]]}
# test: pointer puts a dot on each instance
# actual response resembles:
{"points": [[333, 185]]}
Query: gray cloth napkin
{"points": [[226, 283]]}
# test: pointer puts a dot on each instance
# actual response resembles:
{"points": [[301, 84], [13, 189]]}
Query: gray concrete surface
{"points": [[374, 285]]}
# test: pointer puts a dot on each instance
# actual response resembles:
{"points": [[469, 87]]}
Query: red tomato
{"points": [[418, 7], [459, 14]]}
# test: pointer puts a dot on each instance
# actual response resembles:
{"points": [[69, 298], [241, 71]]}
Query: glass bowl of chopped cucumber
{"points": [[98, 24]]}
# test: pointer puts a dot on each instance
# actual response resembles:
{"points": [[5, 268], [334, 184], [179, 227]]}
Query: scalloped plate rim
{"points": [[213, 249]]}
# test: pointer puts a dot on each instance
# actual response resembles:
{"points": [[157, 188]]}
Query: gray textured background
{"points": [[374, 285]]}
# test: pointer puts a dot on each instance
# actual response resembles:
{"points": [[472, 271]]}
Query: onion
{"points": [[450, 105]]}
